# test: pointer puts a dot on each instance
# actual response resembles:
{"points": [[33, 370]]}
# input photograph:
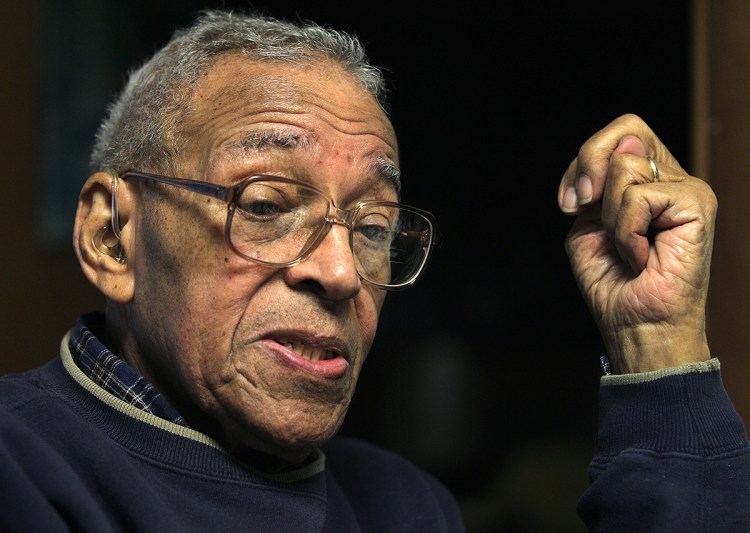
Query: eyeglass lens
{"points": [[279, 222]]}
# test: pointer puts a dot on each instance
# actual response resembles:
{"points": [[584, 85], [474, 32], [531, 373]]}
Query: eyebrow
{"points": [[258, 141]]}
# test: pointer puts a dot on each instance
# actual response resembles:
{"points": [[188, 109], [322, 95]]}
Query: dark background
{"points": [[486, 372]]}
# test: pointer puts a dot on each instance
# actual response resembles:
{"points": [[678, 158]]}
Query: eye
{"points": [[376, 228], [374, 233], [266, 201], [261, 209]]}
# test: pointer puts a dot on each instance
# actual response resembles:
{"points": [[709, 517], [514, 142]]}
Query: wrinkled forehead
{"points": [[290, 87], [244, 105]]}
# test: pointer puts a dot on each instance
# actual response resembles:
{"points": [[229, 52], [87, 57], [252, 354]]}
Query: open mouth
{"points": [[322, 357], [311, 353]]}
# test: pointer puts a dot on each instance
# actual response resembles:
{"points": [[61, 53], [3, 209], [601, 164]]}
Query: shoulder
{"points": [[20, 388], [29, 413], [32, 401]]}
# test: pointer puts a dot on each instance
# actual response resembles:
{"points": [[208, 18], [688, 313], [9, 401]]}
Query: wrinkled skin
{"points": [[640, 250], [215, 332]]}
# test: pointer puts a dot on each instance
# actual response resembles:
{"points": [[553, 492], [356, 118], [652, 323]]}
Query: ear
{"points": [[105, 258]]}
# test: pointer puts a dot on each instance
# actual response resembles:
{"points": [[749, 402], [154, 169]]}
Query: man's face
{"points": [[273, 355]]}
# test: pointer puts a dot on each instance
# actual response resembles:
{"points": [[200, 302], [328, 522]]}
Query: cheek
{"points": [[184, 259], [368, 313], [191, 298], [204, 333], [216, 305]]}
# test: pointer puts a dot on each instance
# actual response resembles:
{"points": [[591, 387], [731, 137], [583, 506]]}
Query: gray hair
{"points": [[142, 126]]}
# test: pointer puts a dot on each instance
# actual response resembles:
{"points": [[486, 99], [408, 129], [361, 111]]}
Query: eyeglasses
{"points": [[279, 222]]}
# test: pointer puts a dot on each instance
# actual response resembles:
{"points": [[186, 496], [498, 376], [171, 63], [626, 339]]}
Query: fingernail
{"points": [[570, 200], [584, 189]]}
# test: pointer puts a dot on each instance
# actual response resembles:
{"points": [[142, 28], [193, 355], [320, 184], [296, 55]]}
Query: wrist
{"points": [[651, 348]]}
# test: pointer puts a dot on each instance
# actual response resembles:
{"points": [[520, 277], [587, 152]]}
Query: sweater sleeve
{"points": [[672, 454]]}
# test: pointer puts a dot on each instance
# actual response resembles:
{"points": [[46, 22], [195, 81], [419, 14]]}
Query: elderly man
{"points": [[244, 223]]}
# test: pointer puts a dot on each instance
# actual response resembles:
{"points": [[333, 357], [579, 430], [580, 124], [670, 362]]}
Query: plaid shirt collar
{"points": [[113, 374]]}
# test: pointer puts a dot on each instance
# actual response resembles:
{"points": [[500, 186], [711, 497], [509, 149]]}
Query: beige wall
{"points": [[723, 144]]}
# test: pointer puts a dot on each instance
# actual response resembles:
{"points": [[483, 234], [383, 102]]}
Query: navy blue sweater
{"points": [[72, 461], [672, 455]]}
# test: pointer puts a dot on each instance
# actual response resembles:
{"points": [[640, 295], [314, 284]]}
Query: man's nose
{"points": [[331, 268]]}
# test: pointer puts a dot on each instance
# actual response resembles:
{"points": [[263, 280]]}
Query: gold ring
{"points": [[654, 168]]}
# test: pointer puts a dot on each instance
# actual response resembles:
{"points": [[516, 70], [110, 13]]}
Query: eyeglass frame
{"points": [[231, 193]]}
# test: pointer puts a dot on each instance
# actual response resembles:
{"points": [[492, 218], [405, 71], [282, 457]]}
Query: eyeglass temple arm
{"points": [[200, 187]]}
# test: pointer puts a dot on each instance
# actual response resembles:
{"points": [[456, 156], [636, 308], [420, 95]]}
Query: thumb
{"points": [[630, 144]]}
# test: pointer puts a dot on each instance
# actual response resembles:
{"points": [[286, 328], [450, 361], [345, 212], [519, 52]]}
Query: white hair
{"points": [[142, 126]]}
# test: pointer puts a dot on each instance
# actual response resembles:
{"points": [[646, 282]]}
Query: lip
{"points": [[333, 366]]}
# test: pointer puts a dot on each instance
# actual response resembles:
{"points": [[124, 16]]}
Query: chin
{"points": [[301, 443], [292, 441]]}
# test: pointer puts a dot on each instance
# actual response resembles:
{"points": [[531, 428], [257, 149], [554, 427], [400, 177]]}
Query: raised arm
{"points": [[640, 247], [672, 452]]}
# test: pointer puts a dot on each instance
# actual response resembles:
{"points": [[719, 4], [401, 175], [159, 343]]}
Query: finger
{"points": [[630, 144], [631, 227], [577, 187], [620, 136], [685, 210], [632, 201], [584, 180], [625, 171], [567, 197]]}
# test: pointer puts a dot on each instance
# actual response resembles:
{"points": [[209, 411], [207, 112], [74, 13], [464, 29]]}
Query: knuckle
{"points": [[705, 194], [629, 119]]}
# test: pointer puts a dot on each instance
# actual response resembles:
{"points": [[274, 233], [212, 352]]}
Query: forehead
{"points": [[244, 109]]}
